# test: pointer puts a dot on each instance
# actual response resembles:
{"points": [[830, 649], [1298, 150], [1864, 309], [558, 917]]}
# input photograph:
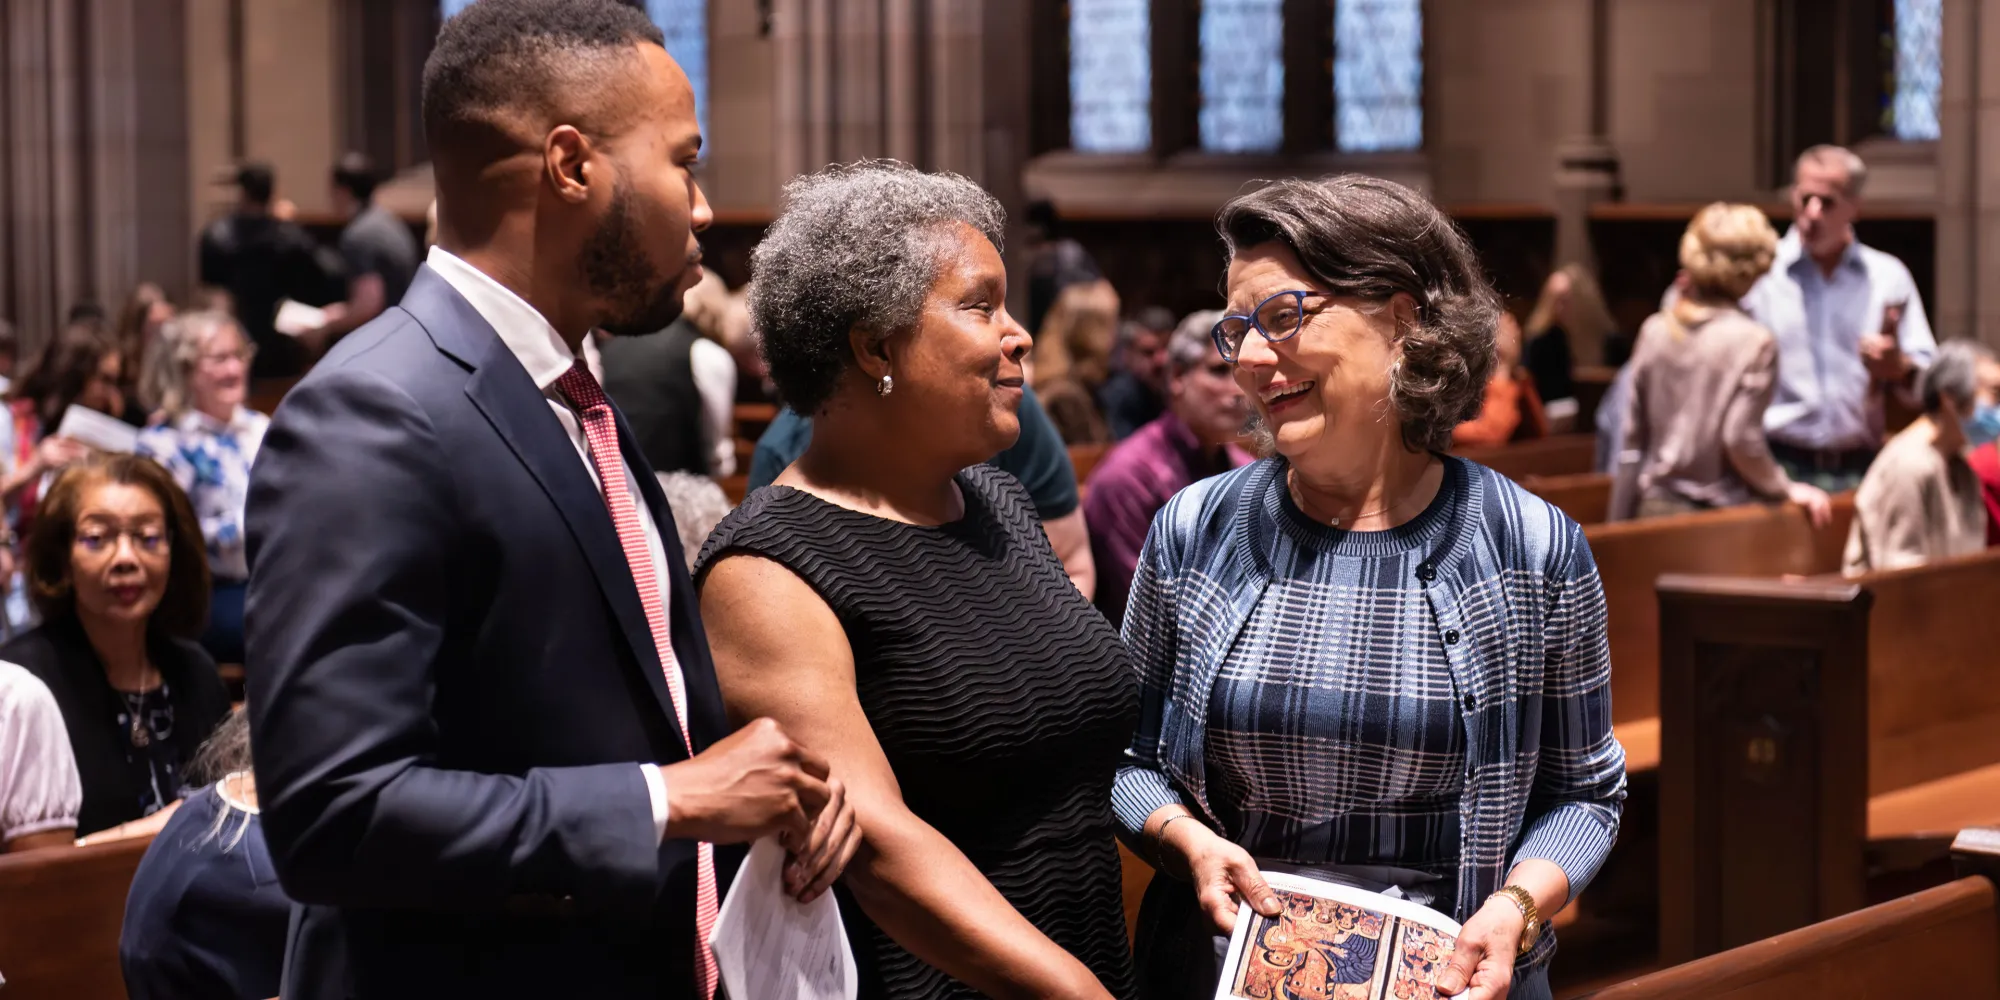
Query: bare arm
{"points": [[780, 652], [1069, 535]]}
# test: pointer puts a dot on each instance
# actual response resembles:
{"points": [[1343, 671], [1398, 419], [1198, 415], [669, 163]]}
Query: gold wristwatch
{"points": [[1520, 897]]}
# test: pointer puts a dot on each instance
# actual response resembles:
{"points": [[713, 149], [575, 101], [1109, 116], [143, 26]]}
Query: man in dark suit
{"points": [[471, 637]]}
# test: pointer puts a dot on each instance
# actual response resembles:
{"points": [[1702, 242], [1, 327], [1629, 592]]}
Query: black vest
{"points": [[652, 380]]}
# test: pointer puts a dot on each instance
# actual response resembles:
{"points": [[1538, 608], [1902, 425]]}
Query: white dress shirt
{"points": [[542, 352], [715, 381]]}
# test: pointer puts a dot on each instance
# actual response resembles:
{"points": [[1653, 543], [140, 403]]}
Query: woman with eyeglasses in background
{"points": [[1362, 654], [206, 439], [116, 567]]}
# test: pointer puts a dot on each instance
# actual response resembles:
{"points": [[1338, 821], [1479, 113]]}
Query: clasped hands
{"points": [[1224, 874], [758, 782]]}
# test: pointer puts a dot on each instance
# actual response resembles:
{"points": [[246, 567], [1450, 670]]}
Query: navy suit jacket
{"points": [[451, 682]]}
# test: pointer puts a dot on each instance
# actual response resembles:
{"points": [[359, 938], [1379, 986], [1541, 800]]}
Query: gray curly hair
{"points": [[857, 247], [1367, 238]]}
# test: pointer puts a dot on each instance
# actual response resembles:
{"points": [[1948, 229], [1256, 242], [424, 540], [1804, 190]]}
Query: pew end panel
{"points": [[1751, 541], [61, 909], [1762, 689]]}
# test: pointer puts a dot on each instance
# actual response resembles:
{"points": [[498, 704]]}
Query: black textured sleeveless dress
{"points": [[1003, 700]]}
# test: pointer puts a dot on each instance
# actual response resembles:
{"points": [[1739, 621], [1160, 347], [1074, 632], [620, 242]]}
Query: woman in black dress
{"points": [[894, 603]]}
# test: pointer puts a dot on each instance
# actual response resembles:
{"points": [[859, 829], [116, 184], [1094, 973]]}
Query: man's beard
{"points": [[617, 270]]}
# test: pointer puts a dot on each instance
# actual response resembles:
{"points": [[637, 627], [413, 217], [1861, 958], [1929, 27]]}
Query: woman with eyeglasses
{"points": [[1361, 655], [206, 438], [116, 567]]}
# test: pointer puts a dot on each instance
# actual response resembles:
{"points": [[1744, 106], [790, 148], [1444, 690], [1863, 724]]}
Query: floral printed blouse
{"points": [[211, 460]]}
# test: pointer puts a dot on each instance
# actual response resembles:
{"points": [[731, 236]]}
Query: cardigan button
{"points": [[1426, 572], [1451, 637]]}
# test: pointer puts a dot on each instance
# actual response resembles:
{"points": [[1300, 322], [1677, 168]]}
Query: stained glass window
{"points": [[1913, 107], [1378, 74], [1110, 76], [1242, 75], [684, 22]]}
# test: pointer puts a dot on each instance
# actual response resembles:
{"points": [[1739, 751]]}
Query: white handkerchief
{"points": [[104, 433], [770, 946], [295, 318]]}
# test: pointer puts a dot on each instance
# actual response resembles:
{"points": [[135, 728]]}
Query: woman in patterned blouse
{"points": [[1361, 654], [207, 439]]}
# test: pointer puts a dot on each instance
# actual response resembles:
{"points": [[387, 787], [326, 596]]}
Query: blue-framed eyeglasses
{"points": [[1277, 319]]}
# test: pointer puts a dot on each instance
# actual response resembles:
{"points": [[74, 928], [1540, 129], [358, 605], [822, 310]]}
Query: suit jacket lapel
{"points": [[502, 391]]}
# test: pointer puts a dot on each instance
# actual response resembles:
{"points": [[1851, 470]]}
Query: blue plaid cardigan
{"points": [[1511, 579]]}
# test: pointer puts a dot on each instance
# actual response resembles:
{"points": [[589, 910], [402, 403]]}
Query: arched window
{"points": [[1110, 76], [1378, 75], [1242, 75], [1913, 103]]}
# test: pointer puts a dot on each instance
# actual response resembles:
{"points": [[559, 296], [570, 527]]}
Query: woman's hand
{"points": [[1482, 967], [1223, 873], [835, 838], [1819, 506]]}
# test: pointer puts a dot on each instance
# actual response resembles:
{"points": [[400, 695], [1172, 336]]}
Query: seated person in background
{"points": [[1193, 440], [140, 322], [1701, 376], [10, 347], [207, 441], [1570, 327], [698, 504], [206, 918], [1920, 501], [1985, 462], [677, 387], [1037, 458], [1136, 392], [39, 790], [80, 366], [1072, 360], [1511, 410], [118, 571]]}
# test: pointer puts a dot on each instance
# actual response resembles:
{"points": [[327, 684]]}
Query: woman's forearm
{"points": [[920, 890]]}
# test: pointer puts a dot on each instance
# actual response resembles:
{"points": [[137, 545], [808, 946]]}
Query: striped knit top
{"points": [[1485, 611]]}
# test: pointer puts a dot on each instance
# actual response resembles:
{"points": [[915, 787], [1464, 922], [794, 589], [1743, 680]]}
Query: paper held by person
{"points": [[1333, 940], [297, 318], [772, 947], [100, 431]]}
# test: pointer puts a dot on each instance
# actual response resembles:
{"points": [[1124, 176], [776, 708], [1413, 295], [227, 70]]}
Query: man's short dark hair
{"points": [[501, 56], [256, 181], [356, 173]]}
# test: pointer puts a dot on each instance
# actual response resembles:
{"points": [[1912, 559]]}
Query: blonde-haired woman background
{"points": [[1072, 359], [1702, 373], [1569, 326]]}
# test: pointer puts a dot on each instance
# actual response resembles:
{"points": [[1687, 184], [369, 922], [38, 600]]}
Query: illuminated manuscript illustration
{"points": [[1333, 942]]}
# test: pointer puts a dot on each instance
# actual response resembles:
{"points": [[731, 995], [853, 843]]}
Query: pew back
{"points": [[1940, 942], [1557, 455], [60, 912], [1933, 699], [1631, 556], [1586, 497]]}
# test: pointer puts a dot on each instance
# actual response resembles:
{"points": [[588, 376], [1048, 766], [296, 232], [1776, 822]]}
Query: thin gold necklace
{"points": [[1299, 498]]}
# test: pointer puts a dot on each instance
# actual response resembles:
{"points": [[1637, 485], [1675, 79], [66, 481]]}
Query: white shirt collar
{"points": [[524, 330]]}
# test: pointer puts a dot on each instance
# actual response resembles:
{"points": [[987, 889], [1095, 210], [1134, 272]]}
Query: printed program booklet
{"points": [[1336, 942]]}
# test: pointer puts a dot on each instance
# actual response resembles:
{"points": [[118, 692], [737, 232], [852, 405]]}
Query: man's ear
{"points": [[566, 160]]}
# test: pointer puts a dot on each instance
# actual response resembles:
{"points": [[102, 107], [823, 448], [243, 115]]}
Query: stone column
{"points": [[1587, 164], [1968, 215]]}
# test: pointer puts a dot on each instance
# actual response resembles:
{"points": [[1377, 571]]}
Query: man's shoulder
{"points": [[1882, 264]]}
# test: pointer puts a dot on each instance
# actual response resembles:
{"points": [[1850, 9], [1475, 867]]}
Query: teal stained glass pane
{"points": [[1378, 75], [1110, 76], [1242, 75], [1919, 70]]}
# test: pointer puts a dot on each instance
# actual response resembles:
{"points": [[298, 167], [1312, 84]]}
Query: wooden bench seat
{"points": [[1842, 712], [1942, 942], [60, 913]]}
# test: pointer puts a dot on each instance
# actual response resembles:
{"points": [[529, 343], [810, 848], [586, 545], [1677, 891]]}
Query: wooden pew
{"points": [[60, 912], [1942, 942], [1558, 455], [1586, 498], [1804, 721]]}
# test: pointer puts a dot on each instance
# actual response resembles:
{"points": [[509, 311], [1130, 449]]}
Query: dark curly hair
{"points": [[183, 611], [64, 369], [856, 247], [501, 57], [1367, 238]]}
